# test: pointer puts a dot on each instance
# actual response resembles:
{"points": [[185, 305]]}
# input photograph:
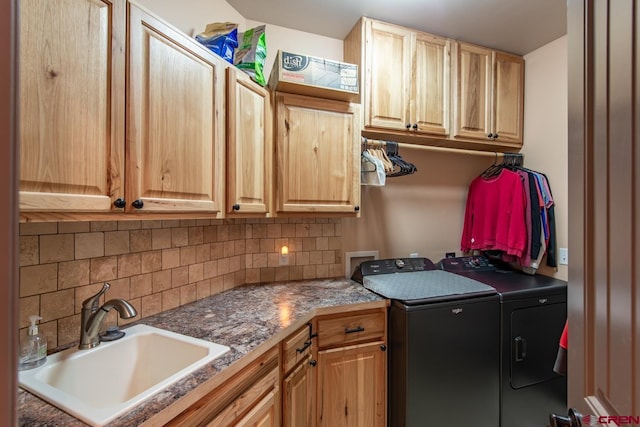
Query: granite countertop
{"points": [[242, 318]]}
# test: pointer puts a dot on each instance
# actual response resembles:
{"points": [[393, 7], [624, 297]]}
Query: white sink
{"points": [[100, 384]]}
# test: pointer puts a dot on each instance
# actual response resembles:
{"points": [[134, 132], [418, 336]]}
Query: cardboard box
{"points": [[309, 75]]}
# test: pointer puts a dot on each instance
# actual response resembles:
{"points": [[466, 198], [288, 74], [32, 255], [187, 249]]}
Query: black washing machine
{"points": [[443, 344], [533, 311]]}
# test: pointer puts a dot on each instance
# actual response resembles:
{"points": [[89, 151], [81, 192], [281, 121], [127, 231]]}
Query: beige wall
{"points": [[193, 18], [420, 213], [545, 129]]}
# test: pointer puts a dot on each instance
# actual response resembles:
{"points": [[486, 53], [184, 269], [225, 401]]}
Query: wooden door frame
{"points": [[603, 298], [8, 213], [578, 108]]}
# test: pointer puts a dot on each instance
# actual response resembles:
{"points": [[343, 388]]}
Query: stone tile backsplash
{"points": [[158, 265]]}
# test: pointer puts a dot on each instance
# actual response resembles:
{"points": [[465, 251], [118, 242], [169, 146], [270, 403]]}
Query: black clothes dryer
{"points": [[533, 310]]}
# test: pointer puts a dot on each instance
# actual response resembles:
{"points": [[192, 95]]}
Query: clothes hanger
{"points": [[380, 154], [494, 169], [406, 168]]}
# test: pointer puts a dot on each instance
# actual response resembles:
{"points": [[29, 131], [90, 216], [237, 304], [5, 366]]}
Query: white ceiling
{"points": [[517, 26]]}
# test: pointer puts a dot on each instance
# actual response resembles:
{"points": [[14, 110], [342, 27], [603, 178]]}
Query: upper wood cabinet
{"points": [[508, 97], [430, 101], [488, 95], [472, 91], [405, 77], [78, 158], [71, 109], [175, 127], [317, 155], [249, 145], [424, 89]]}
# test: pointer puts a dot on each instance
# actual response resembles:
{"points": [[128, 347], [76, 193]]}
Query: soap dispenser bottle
{"points": [[33, 351]]}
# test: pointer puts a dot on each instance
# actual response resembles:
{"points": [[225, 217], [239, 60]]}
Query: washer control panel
{"points": [[394, 265], [467, 263]]}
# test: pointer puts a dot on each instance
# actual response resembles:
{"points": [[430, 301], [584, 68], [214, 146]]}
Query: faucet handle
{"points": [[92, 302]]}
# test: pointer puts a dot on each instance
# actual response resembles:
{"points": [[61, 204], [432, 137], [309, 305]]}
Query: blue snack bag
{"points": [[220, 40]]}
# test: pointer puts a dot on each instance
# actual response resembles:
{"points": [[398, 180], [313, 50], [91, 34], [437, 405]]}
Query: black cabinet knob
{"points": [[383, 347], [138, 204], [408, 126], [119, 203], [356, 208], [490, 136], [313, 362], [236, 207], [495, 136], [415, 127]]}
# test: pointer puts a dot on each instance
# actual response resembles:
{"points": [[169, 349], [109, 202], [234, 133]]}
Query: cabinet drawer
{"points": [[236, 396], [250, 401], [354, 328], [295, 348]]}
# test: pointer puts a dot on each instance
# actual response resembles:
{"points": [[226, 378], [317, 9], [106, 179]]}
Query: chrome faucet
{"points": [[93, 315]]}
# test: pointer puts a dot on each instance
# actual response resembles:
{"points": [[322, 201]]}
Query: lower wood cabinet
{"points": [[263, 414], [352, 386], [352, 369], [249, 398], [298, 397], [331, 372]]}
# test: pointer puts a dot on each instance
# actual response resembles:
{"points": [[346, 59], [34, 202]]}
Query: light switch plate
{"points": [[563, 256]]}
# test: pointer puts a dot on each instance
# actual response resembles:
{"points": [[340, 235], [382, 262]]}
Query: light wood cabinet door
{"points": [[317, 152], [508, 97], [489, 94], [175, 128], [388, 75], [426, 89], [71, 112], [249, 145], [249, 398], [264, 414], [299, 396], [430, 85], [352, 386], [473, 92], [406, 80]]}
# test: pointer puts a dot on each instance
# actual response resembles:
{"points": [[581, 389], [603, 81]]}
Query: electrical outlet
{"points": [[284, 260], [563, 256], [284, 255], [414, 255], [450, 255]]}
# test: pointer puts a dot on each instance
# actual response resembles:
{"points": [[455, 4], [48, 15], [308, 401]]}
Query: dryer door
{"points": [[535, 335]]}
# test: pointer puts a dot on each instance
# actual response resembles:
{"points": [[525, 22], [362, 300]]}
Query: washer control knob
{"points": [[399, 263]]}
